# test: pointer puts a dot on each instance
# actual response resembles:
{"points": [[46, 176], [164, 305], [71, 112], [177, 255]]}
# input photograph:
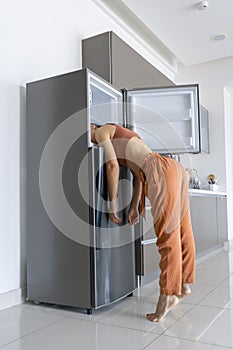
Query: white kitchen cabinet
{"points": [[209, 221], [221, 203], [203, 216]]}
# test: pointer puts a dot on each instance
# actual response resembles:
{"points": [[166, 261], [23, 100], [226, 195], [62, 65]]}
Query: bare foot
{"points": [[186, 290], [165, 304]]}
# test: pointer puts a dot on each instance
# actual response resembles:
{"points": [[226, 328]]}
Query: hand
{"points": [[114, 218], [112, 213], [133, 216]]}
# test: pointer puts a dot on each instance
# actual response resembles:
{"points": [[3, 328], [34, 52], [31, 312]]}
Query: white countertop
{"points": [[194, 192]]}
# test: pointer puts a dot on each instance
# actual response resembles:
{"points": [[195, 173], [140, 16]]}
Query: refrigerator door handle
{"points": [[124, 102], [97, 178], [149, 241]]}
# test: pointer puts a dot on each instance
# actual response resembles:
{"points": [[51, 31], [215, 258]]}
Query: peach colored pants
{"points": [[167, 190]]}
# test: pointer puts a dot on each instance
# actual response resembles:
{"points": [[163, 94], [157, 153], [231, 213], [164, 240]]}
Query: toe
{"points": [[152, 317]]}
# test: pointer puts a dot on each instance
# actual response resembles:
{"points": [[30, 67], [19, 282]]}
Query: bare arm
{"points": [[133, 214], [112, 170]]}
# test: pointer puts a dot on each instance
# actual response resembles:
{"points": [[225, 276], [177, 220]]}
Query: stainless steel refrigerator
{"points": [[76, 256]]}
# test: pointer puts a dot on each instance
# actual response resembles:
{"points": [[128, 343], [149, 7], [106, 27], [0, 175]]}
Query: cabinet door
{"points": [[129, 69], [204, 222], [204, 121], [222, 219], [167, 119], [150, 258], [110, 57]]}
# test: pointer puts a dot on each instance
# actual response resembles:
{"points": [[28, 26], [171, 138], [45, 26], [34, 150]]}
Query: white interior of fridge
{"points": [[104, 102], [166, 119]]}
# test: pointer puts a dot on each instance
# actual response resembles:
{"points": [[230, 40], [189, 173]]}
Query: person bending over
{"points": [[163, 180]]}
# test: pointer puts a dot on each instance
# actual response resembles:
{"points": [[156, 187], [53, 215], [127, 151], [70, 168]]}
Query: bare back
{"points": [[136, 151]]}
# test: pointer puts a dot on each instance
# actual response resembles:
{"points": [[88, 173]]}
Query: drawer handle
{"points": [[149, 241]]}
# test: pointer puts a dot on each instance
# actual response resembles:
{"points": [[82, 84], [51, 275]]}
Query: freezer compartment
{"points": [[167, 119], [113, 251], [104, 101], [114, 276]]}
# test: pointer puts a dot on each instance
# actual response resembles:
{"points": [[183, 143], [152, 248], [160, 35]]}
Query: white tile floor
{"points": [[203, 321]]}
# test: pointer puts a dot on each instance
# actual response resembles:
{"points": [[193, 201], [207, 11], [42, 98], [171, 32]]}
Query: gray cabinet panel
{"points": [[150, 259], [222, 219], [203, 215], [209, 221], [96, 55], [150, 256], [147, 224], [110, 57], [131, 70]]}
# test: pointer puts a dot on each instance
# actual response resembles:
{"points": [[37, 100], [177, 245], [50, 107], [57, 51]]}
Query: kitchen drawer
{"points": [[147, 225], [150, 258]]}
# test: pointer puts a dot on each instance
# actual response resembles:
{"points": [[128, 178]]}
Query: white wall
{"points": [[216, 94], [212, 77], [39, 38], [228, 108]]}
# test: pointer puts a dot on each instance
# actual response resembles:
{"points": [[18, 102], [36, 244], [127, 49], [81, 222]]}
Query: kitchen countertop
{"points": [[195, 192]]}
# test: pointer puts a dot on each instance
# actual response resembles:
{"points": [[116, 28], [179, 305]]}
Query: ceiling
{"points": [[184, 29]]}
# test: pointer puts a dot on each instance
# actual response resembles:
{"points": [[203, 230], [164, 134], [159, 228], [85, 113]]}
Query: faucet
{"points": [[193, 180]]}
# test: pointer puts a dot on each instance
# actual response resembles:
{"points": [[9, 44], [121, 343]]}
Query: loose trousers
{"points": [[166, 188]]}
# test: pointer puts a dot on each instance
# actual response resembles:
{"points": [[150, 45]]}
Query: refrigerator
{"points": [[75, 255]]}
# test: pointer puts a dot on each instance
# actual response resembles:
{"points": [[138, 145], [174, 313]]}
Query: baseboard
{"points": [[12, 298], [208, 255], [228, 245]]}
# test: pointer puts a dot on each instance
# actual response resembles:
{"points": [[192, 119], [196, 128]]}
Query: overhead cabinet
{"points": [[111, 58]]}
